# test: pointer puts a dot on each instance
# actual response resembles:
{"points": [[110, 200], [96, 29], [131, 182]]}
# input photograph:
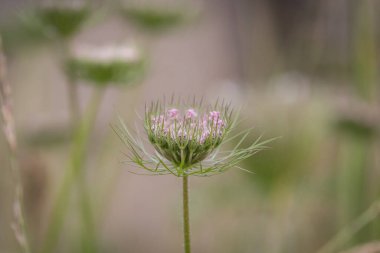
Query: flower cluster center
{"points": [[188, 125]]}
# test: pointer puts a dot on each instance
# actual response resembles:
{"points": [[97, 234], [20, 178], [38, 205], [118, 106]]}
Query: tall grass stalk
{"points": [[352, 179], [73, 174], [349, 231], [367, 75], [18, 225], [357, 144]]}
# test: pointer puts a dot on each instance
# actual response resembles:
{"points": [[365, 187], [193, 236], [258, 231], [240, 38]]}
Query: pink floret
{"points": [[191, 113], [214, 115], [173, 113]]}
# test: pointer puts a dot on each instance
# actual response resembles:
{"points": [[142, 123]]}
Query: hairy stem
{"points": [[186, 218], [6, 112], [72, 173]]}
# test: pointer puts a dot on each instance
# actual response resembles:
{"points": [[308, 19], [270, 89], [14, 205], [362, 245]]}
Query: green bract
{"points": [[153, 19], [62, 21], [186, 138], [107, 65]]}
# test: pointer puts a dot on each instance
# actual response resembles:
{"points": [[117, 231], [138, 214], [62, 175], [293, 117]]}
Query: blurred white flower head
{"points": [[106, 64], [107, 53]]}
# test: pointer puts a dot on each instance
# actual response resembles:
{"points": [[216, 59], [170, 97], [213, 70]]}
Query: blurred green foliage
{"points": [[289, 158], [292, 156], [25, 30], [48, 137], [356, 128], [43, 23]]}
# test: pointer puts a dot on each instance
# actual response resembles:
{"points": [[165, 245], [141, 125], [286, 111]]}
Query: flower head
{"points": [[183, 137], [186, 138], [106, 64]]}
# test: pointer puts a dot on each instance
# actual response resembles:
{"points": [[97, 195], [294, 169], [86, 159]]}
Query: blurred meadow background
{"points": [[304, 70]]}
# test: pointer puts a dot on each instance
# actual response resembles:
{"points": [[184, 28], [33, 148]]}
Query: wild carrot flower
{"points": [[187, 138], [107, 64]]}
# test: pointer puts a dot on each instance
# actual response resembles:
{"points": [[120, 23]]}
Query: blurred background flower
{"points": [[110, 64]]}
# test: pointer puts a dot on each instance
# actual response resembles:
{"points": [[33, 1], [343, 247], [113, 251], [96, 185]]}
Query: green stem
{"points": [[186, 218], [88, 230], [73, 102], [72, 87], [88, 235], [73, 172]]}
